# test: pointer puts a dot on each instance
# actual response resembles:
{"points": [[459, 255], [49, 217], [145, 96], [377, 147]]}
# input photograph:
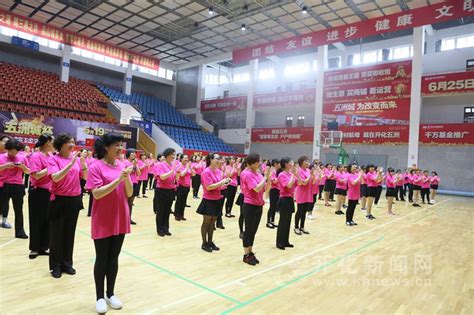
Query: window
{"points": [[356, 59], [241, 77], [266, 74], [296, 69], [98, 57], [457, 42], [372, 56], [301, 117], [289, 118], [162, 72], [169, 75]]}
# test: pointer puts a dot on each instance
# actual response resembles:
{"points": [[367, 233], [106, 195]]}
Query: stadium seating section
{"points": [[181, 129], [31, 91]]}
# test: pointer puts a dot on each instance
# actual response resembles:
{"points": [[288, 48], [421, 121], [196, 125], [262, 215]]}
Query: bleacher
{"points": [[36, 92], [175, 124]]}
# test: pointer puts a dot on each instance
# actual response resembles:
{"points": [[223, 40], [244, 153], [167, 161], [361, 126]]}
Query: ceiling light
{"points": [[211, 10], [305, 9], [243, 27]]}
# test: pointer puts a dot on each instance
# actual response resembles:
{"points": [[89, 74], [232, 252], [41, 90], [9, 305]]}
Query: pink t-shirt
{"points": [[283, 180], [70, 185], [315, 185], [303, 193], [273, 178], [199, 168], [233, 175], [110, 214], [322, 181], [251, 180], [163, 168], [38, 162], [425, 182], [341, 180], [434, 180], [184, 181], [364, 179], [134, 173], [406, 178], [144, 170], [13, 175], [371, 179], [390, 181], [353, 190], [208, 178], [399, 182], [416, 179]]}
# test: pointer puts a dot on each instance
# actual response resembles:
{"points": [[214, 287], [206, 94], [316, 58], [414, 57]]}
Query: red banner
{"points": [[288, 98], [224, 104], [191, 152], [393, 134], [436, 13], [379, 72], [283, 135], [458, 134], [33, 27], [395, 89], [448, 84]]}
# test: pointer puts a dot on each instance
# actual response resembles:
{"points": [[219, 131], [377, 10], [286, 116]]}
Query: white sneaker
{"points": [[310, 216], [101, 306], [433, 201], [114, 302]]}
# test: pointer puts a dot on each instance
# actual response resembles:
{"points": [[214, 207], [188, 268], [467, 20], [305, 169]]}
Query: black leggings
{"points": [[350, 210], [274, 195], [252, 215], [286, 207], [180, 204], [378, 194], [400, 193], [410, 192], [150, 181], [196, 183], [107, 251], [162, 203], [405, 188], [300, 216], [231, 191], [3, 205], [16, 194], [38, 209], [321, 190], [143, 183], [425, 192]]}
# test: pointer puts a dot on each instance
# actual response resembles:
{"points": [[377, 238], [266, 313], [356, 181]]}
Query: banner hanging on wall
{"points": [[287, 98], [448, 84], [228, 104], [27, 128], [36, 28], [191, 152], [435, 13], [295, 135], [440, 134]]}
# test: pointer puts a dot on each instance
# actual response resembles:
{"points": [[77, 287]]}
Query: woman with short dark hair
{"points": [[3, 207], [131, 161], [165, 191]]}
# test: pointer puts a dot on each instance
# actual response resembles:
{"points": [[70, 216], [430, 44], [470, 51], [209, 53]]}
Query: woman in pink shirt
{"points": [[254, 187], [315, 184], [416, 183], [322, 180], [303, 194], [65, 169], [3, 207], [287, 181], [354, 181], [183, 176], [231, 170], [165, 191], [425, 187], [399, 186], [39, 197], [434, 180], [374, 178], [131, 160], [274, 194], [210, 207], [364, 191], [27, 152], [406, 181], [144, 165], [111, 186], [12, 167], [330, 184], [341, 188], [390, 181], [240, 198], [199, 165], [151, 164]]}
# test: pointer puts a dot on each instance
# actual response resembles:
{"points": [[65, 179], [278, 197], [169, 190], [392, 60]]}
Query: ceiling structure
{"points": [[181, 31]]}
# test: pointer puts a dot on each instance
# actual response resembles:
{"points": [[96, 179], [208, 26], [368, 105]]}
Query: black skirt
{"points": [[10, 190], [416, 187], [341, 192], [372, 192], [391, 192], [211, 208], [435, 187], [364, 190], [329, 185]]}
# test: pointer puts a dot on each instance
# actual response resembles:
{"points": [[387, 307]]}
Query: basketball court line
{"points": [[237, 281], [11, 241]]}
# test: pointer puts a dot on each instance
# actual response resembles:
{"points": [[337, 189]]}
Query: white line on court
{"points": [[238, 281], [9, 242]]}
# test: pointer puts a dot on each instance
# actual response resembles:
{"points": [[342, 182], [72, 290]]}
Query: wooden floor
{"points": [[418, 262]]}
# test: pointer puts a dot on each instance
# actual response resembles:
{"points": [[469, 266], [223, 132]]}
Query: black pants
{"points": [[379, 193], [150, 181], [332, 187], [350, 210], [3, 205], [219, 221], [196, 183], [321, 190], [27, 181], [274, 195], [400, 193], [162, 203], [300, 215], [142, 185], [286, 206], [180, 204], [89, 208], [38, 209], [425, 192], [83, 185], [252, 215], [107, 251], [16, 193], [410, 192], [405, 188], [64, 212], [231, 191]]}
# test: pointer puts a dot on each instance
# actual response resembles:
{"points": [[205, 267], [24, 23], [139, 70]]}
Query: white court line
{"points": [[9, 242], [238, 281]]}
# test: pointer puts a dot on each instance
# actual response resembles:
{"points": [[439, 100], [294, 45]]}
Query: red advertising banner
{"points": [[191, 152], [436, 13], [395, 89], [458, 134], [36, 28], [379, 72], [448, 84], [287, 98], [224, 104], [293, 135], [393, 134]]}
